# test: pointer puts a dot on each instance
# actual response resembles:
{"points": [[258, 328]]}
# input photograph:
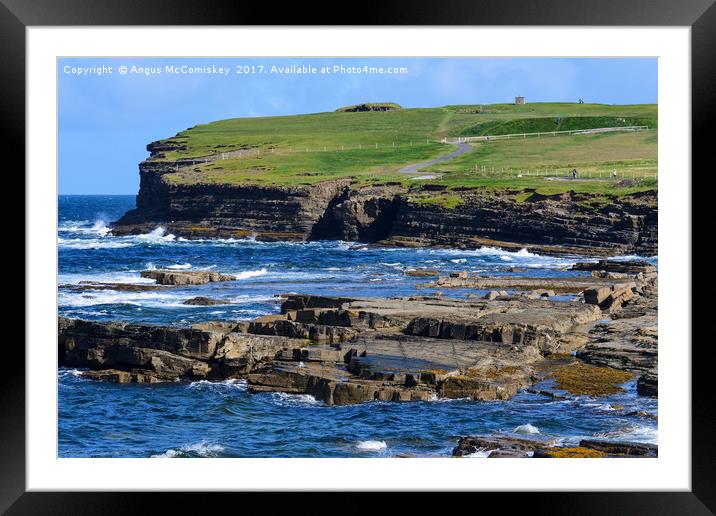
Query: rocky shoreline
{"points": [[394, 215], [515, 446], [349, 350], [344, 350]]}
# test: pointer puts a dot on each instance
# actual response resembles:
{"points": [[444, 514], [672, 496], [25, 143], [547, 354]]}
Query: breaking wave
{"points": [[250, 274], [526, 429], [480, 453], [231, 384], [179, 266], [199, 449], [371, 445], [293, 400]]}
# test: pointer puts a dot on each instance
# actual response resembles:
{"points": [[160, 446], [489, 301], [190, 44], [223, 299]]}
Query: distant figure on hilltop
{"points": [[574, 173]]}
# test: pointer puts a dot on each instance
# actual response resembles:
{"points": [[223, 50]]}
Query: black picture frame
{"points": [[17, 15]]}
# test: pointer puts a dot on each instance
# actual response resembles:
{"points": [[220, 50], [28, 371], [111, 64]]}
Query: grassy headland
{"points": [[372, 146]]}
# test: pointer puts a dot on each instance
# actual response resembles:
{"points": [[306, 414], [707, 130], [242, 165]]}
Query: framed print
{"points": [[367, 257]]}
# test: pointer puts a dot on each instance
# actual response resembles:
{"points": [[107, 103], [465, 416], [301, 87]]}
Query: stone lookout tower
{"points": [[519, 101]]}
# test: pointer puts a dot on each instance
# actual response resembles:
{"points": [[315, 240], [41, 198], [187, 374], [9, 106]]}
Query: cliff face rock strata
{"points": [[391, 214], [548, 224]]}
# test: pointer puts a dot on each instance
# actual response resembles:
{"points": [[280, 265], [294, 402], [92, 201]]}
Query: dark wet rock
{"points": [[648, 385], [621, 447], [205, 301], [549, 394], [313, 332], [629, 267], [537, 446], [497, 446], [185, 277], [627, 343], [422, 272], [509, 454], [304, 301], [642, 414], [119, 376], [162, 352], [222, 326]]}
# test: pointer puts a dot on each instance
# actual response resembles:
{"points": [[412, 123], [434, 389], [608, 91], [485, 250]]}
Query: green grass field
{"points": [[632, 155], [372, 146]]}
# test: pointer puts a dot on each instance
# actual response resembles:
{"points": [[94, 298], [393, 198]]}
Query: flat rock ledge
{"points": [[514, 446], [185, 277], [349, 350]]}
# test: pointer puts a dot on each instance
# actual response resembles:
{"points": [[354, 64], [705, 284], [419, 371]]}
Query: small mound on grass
{"points": [[579, 378], [370, 106]]}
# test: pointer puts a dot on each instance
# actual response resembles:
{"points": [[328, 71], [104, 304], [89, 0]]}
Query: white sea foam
{"points": [[232, 383], [179, 266], [568, 440], [437, 399], [157, 235], [250, 274], [106, 241], [526, 429], [637, 433], [68, 373], [108, 297], [128, 277], [97, 227], [293, 400], [480, 453], [90, 243], [486, 251], [371, 445], [606, 407], [100, 227], [201, 449]]}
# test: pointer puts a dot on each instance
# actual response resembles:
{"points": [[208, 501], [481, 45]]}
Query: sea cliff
{"points": [[392, 213]]}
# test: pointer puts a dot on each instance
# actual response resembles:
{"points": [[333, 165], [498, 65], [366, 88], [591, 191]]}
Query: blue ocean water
{"points": [[220, 419]]}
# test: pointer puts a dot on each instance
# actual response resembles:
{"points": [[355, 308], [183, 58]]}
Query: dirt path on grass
{"points": [[462, 148]]}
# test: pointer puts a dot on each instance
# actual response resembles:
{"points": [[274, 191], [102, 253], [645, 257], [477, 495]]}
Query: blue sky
{"points": [[105, 121]]}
